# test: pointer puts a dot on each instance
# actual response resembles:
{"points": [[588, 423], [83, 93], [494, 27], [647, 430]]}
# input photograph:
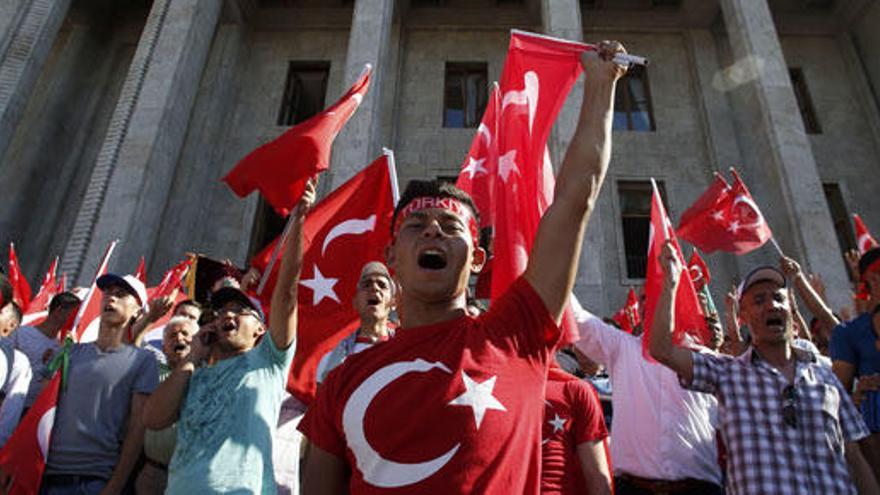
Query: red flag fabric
{"points": [[864, 240], [87, 320], [628, 316], [725, 218], [518, 185], [38, 309], [280, 168], [689, 317], [341, 234], [21, 290], [141, 272], [699, 271], [25, 453]]}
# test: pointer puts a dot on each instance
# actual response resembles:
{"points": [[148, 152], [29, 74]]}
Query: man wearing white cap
{"points": [[98, 434]]}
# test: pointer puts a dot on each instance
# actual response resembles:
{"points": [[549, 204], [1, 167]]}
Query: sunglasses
{"points": [[789, 406]]}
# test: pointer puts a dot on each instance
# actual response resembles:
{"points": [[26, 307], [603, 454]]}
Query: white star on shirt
{"points": [[557, 423], [321, 286], [474, 167], [478, 396], [734, 227], [507, 164]]}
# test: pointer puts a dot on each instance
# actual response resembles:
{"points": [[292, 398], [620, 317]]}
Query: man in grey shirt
{"points": [[98, 433]]}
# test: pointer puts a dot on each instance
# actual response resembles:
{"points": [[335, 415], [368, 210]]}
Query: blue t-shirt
{"points": [[854, 342], [226, 425]]}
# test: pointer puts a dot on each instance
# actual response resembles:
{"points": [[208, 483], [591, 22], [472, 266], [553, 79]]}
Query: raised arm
{"points": [[282, 317], [156, 309], [811, 298], [678, 359], [555, 253]]}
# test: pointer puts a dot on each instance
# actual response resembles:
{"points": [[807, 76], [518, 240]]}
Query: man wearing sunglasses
{"points": [[227, 411], [789, 425]]}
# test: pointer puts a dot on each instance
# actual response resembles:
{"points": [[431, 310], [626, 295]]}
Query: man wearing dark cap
{"points": [[226, 412], [98, 433], [373, 301], [788, 424], [855, 354]]}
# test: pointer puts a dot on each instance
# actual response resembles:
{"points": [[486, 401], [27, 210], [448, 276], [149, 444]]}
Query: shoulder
{"points": [[851, 328]]}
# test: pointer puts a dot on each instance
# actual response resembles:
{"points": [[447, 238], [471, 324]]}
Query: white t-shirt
{"points": [[39, 349], [14, 394]]}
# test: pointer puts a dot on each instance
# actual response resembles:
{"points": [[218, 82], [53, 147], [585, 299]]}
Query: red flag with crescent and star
{"points": [[628, 316], [689, 317], [341, 234], [864, 240], [280, 168], [508, 169], [21, 290], [38, 309], [699, 271], [725, 218]]}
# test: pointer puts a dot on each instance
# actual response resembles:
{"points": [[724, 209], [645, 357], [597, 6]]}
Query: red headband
{"points": [[450, 204]]}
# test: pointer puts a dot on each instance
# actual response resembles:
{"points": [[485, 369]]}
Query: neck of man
{"points": [[376, 329], [110, 336], [780, 355], [49, 328], [419, 313], [219, 354]]}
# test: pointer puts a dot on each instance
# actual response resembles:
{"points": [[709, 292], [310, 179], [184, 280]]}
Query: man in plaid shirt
{"points": [[788, 424]]}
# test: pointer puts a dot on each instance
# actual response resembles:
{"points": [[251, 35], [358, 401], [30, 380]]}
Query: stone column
{"points": [[782, 170], [369, 42], [27, 31], [131, 180]]}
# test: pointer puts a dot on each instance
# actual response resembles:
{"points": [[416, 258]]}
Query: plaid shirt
{"points": [[767, 455]]}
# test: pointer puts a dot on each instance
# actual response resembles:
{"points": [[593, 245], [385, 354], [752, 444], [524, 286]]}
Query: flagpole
{"points": [[264, 279], [392, 174], [620, 58], [776, 245]]}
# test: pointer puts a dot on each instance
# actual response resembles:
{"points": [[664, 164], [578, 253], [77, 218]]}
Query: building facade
{"points": [[118, 117]]}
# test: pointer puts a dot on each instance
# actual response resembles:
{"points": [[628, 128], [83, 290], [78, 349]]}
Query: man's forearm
{"points": [[131, 451], [283, 312], [815, 303], [660, 344], [163, 406], [860, 471]]}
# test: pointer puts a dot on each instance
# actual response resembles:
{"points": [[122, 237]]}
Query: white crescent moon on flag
{"points": [[696, 273], [484, 131], [527, 96], [743, 199], [30, 318], [91, 332], [353, 227], [375, 469], [44, 431]]}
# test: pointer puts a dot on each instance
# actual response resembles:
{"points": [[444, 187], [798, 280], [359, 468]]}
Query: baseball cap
{"points": [[764, 273], [867, 261], [128, 282], [226, 294]]}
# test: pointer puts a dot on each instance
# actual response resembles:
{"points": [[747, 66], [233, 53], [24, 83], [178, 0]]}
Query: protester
{"points": [[159, 445], [855, 355], [10, 318], [374, 301], [98, 433], [228, 410], [15, 379], [573, 438], [449, 382], [788, 424], [663, 436], [39, 343]]}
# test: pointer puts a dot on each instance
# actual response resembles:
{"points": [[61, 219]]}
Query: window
{"points": [[805, 103], [629, 4], [466, 90], [840, 216], [635, 213], [304, 91], [632, 102]]}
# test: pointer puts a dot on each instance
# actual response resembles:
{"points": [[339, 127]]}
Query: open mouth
{"points": [[228, 327], [432, 259], [180, 347], [373, 301], [775, 321]]}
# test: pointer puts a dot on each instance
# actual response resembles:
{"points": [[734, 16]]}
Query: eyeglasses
{"points": [[789, 406]]}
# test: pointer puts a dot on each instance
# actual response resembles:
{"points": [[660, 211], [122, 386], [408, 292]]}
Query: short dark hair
{"points": [[64, 299], [868, 259], [189, 302], [434, 189]]}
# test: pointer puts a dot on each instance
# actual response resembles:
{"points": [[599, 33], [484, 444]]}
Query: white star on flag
{"points": [[734, 227], [507, 164], [321, 287], [478, 396], [475, 167], [557, 423], [718, 215]]}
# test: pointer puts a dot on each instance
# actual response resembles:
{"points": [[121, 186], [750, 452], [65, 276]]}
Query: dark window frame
{"points": [[625, 96], [840, 216], [804, 101], [463, 70], [636, 224], [287, 112]]}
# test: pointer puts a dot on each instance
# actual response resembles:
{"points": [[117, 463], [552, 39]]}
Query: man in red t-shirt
{"points": [[453, 403], [575, 457]]}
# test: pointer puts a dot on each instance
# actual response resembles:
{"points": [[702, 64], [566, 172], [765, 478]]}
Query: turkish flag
{"points": [[689, 317], [171, 281], [88, 317], [38, 309], [141, 272], [341, 234], [699, 271], [864, 240], [21, 290], [25, 453], [628, 316], [481, 163], [280, 168], [725, 218]]}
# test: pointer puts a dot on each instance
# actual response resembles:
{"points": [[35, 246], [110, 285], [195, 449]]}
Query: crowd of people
{"points": [[433, 393]]}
